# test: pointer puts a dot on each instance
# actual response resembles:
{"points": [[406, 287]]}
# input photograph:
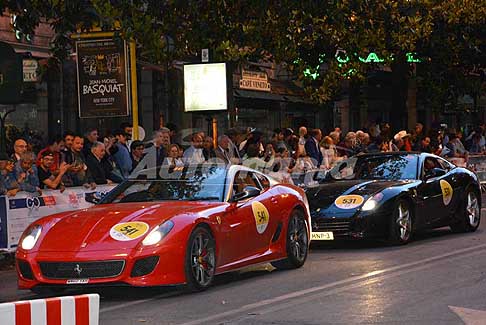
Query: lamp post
{"points": [[169, 48]]}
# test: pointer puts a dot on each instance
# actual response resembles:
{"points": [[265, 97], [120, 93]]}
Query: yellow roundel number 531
{"points": [[446, 191], [349, 201]]}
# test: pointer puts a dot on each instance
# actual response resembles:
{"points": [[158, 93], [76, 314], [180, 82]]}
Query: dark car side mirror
{"points": [[92, 199], [320, 175], [435, 172], [248, 192]]}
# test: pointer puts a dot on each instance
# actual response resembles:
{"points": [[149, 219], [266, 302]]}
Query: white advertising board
{"points": [[205, 87]]}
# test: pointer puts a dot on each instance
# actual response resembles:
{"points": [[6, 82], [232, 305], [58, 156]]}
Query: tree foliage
{"points": [[304, 35]]}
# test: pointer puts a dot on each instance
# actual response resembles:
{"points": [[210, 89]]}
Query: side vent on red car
{"points": [[276, 235], [25, 270], [144, 266]]}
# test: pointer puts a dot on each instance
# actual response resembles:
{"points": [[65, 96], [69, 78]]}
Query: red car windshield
{"points": [[181, 184]]}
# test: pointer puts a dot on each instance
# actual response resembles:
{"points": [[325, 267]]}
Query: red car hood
{"points": [[89, 230]]}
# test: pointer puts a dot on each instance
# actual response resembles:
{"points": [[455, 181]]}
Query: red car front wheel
{"points": [[200, 263]]}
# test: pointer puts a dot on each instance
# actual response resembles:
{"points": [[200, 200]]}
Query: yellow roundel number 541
{"points": [[261, 215]]}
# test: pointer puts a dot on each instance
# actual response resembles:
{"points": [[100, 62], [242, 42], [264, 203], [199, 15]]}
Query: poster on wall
{"points": [[102, 78]]}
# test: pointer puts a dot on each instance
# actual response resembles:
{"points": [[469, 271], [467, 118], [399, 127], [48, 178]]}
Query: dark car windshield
{"points": [[182, 184], [387, 167]]}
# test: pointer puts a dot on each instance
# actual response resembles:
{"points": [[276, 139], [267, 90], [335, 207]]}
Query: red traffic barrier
{"points": [[69, 310]]}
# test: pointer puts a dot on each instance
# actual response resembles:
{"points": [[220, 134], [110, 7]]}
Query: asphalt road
{"points": [[439, 278]]}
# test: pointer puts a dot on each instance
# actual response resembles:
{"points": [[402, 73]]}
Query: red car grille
{"points": [[81, 270]]}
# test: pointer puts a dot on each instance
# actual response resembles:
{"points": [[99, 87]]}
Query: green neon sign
{"points": [[371, 58], [411, 58], [313, 72], [342, 57]]}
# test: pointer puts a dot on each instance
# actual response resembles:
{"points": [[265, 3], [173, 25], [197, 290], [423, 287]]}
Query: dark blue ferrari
{"points": [[392, 195]]}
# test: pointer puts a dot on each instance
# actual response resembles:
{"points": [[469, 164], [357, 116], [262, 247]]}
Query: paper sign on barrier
{"points": [[18, 212]]}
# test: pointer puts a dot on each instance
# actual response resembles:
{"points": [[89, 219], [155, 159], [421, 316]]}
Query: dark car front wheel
{"points": [[297, 243], [200, 263], [470, 214], [401, 224]]}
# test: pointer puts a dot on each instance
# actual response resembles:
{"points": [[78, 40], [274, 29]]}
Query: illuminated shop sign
{"points": [[342, 57], [254, 80]]}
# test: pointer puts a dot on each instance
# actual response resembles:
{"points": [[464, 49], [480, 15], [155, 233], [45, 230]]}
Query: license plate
{"points": [[323, 235], [77, 281]]}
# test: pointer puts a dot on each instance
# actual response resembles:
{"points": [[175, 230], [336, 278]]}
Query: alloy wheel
{"points": [[472, 209], [202, 259], [404, 222], [298, 238]]}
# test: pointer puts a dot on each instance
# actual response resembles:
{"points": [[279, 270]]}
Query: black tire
{"points": [[401, 224], [469, 213], [297, 243], [200, 261]]}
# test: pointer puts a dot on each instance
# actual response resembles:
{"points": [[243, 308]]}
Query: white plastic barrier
{"points": [[69, 310], [18, 212]]}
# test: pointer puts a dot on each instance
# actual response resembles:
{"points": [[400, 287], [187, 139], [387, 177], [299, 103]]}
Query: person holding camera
{"points": [[122, 159]]}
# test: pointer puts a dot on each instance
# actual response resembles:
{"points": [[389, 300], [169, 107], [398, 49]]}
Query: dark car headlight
{"points": [[30, 237], [158, 233], [372, 202]]}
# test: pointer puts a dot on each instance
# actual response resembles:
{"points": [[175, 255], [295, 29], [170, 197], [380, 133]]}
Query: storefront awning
{"points": [[35, 51], [258, 95], [297, 99], [270, 96]]}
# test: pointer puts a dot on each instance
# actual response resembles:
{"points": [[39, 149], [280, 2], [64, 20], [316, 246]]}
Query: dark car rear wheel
{"points": [[297, 243], [200, 263], [401, 224], [470, 214]]}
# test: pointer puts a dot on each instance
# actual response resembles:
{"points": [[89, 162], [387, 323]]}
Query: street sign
{"points": [[205, 55], [254, 80], [10, 75], [30, 67]]}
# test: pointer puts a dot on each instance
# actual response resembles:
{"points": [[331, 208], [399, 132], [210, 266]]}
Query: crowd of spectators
{"points": [[89, 160]]}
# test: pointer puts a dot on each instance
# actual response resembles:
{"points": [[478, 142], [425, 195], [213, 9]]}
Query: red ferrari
{"points": [[183, 227]]}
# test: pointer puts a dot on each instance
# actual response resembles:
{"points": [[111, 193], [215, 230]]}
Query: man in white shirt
{"points": [[194, 154]]}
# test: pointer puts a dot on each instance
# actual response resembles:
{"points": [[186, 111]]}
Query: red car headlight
{"points": [[158, 233], [30, 237]]}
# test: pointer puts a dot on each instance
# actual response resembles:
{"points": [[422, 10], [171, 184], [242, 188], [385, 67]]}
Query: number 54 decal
{"points": [[128, 230]]}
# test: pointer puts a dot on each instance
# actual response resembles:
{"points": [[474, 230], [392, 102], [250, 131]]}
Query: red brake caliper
{"points": [[201, 260]]}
